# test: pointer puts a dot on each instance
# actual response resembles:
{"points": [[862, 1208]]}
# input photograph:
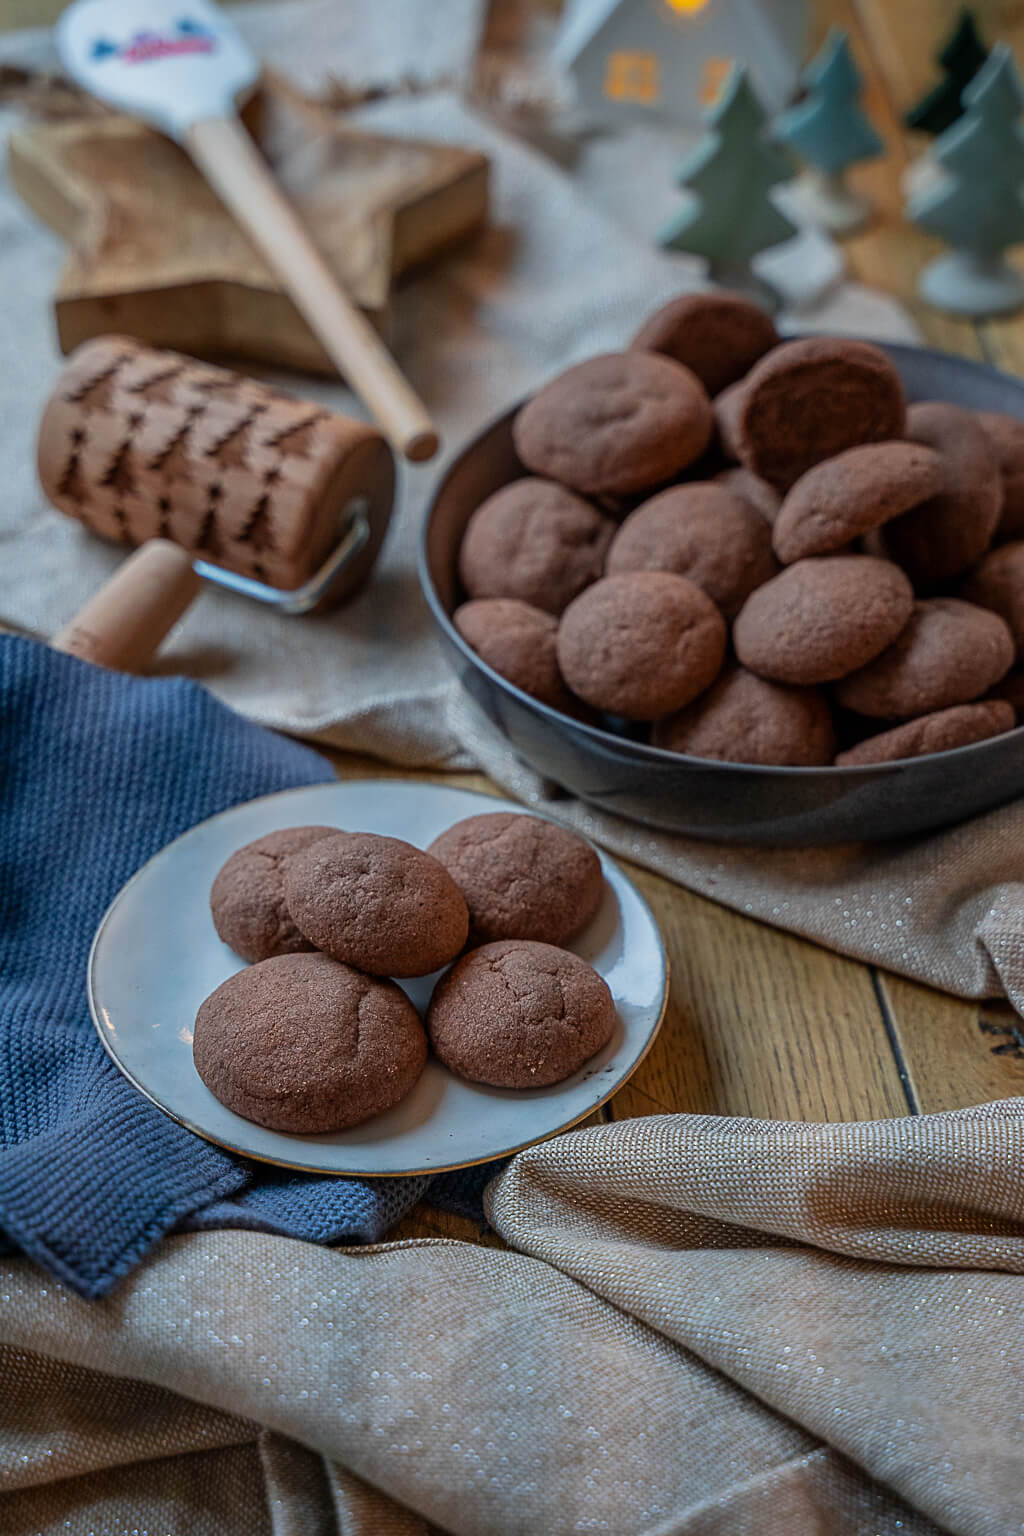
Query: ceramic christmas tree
{"points": [[976, 205], [830, 132], [730, 215], [960, 58]]}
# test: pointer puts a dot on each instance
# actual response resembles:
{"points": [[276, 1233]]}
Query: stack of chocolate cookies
{"points": [[315, 1035], [753, 550]]}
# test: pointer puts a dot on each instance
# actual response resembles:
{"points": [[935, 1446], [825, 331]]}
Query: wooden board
{"points": [[155, 255]]}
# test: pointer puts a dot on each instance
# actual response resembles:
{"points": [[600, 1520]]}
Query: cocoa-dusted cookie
{"points": [[522, 877], [841, 499], [1010, 688], [377, 903], [956, 727], [615, 424], [642, 644], [518, 641], [942, 537], [1006, 439], [702, 531], [744, 718], [757, 493], [949, 652], [718, 336], [247, 899], [517, 1014], [998, 584], [535, 541], [300, 1043], [822, 618], [806, 401]]}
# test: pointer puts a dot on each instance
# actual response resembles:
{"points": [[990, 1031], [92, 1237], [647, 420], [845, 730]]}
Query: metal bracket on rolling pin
{"points": [[355, 535]]}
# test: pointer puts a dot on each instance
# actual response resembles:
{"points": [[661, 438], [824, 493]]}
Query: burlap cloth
{"points": [[699, 1326]]}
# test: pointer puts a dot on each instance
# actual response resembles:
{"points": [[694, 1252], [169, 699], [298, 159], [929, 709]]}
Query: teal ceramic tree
{"points": [[960, 58], [975, 203], [730, 173], [830, 132]]}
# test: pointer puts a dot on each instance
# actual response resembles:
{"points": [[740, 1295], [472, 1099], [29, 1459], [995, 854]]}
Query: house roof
{"points": [[582, 19]]}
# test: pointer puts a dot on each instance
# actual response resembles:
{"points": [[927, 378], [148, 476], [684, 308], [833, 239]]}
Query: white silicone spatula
{"points": [[182, 66]]}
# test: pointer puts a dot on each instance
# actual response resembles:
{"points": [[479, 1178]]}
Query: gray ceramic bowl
{"points": [[729, 802]]}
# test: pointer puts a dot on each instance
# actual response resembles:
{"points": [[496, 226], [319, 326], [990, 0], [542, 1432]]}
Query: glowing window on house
{"points": [[713, 76], [686, 7], [633, 77]]}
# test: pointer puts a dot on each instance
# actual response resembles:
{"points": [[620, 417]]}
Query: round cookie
{"points": [[822, 618], [942, 537], [376, 903], [642, 644], [806, 401], [517, 1014], [1006, 439], [744, 718], [300, 1043], [701, 531], [755, 492], [522, 877], [841, 499], [718, 336], [956, 727], [998, 584], [1010, 688], [535, 541], [615, 424], [950, 652], [518, 641], [247, 899]]}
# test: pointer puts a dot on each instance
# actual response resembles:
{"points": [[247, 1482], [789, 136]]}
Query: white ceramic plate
{"points": [[156, 956]]}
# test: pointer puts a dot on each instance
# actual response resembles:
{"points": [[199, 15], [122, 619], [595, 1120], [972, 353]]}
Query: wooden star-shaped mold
{"points": [[154, 254]]}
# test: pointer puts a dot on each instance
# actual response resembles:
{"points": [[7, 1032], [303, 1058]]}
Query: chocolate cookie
{"points": [[703, 532], [518, 641], [519, 1015], [942, 537], [522, 877], [302, 1044], [718, 336], [837, 501], [746, 719], [806, 401], [822, 618], [641, 645], [615, 424], [956, 727], [247, 899], [757, 493], [1006, 439], [1010, 688], [998, 584], [535, 541], [377, 903], [950, 652]]}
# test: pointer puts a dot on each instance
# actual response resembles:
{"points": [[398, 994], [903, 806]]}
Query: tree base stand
{"points": [[965, 283], [828, 202]]}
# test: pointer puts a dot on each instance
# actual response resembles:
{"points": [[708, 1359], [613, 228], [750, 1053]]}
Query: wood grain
{"points": [[956, 1053]]}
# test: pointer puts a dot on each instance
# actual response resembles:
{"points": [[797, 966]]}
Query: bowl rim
{"points": [[643, 750]]}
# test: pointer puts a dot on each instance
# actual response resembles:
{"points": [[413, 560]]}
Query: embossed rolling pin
{"points": [[274, 497], [185, 75]]}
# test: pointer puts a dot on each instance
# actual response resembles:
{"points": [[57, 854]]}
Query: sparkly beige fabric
{"points": [[701, 1327]]}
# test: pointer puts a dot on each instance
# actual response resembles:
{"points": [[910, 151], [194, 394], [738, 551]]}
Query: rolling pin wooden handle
{"points": [[123, 624], [235, 169]]}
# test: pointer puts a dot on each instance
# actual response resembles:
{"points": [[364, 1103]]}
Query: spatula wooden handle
{"points": [[233, 166]]}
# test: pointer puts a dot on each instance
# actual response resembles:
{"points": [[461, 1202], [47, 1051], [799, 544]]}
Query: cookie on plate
{"points": [[718, 336], [998, 583], [822, 618], [535, 541], [300, 1043], [642, 644], [957, 727], [744, 718], [841, 499], [522, 877], [517, 1014], [519, 642], [1006, 439], [616, 424], [757, 493], [949, 652], [376, 903], [247, 900]]}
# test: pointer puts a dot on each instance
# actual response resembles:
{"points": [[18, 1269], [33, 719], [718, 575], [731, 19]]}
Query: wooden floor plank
{"points": [[956, 1053]]}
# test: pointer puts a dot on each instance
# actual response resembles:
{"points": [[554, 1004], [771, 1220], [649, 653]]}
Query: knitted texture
{"points": [[100, 771]]}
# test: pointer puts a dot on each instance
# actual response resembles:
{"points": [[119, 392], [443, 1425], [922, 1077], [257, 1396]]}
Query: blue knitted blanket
{"points": [[99, 772]]}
